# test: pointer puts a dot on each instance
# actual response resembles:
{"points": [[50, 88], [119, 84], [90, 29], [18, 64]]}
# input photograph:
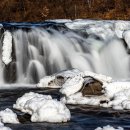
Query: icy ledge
{"points": [[70, 81], [7, 48], [42, 108], [108, 127], [2, 127], [8, 116]]}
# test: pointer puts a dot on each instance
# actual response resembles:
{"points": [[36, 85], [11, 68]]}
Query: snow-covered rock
{"points": [[20, 103], [108, 127], [43, 108], [7, 48], [58, 79], [8, 116], [2, 127]]}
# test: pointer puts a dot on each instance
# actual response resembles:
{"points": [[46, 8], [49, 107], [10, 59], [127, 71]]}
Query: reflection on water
{"points": [[83, 117]]}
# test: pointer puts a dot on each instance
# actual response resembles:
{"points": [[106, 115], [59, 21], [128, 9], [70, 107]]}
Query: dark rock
{"points": [[91, 87]]}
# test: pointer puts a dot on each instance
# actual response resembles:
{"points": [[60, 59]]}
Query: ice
{"points": [[8, 116], [108, 127], [7, 48], [126, 36], [120, 27], [72, 85], [43, 108], [59, 20], [2, 127]]}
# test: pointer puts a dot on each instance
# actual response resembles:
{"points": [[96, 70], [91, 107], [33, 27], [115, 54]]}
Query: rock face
{"points": [[91, 87]]}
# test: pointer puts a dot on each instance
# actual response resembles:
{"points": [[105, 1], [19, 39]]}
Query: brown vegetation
{"points": [[39, 10]]}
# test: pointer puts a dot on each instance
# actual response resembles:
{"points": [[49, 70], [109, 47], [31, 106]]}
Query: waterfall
{"points": [[40, 51]]}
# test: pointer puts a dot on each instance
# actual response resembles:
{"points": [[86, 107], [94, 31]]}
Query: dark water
{"points": [[83, 117]]}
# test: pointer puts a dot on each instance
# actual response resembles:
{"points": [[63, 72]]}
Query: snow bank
{"points": [[2, 127], [8, 116], [120, 100], [108, 127], [112, 88], [43, 108], [7, 48]]}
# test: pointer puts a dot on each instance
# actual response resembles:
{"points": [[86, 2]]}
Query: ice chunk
{"points": [[43, 108], [72, 85], [108, 127], [8, 116], [2, 127], [7, 48]]}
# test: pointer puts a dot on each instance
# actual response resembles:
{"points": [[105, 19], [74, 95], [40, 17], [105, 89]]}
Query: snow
{"points": [[47, 81], [72, 85], [120, 27], [79, 99], [114, 87], [53, 81], [7, 48], [108, 127], [42, 108], [103, 28], [2, 127], [8, 116], [99, 77], [20, 103], [121, 100]]}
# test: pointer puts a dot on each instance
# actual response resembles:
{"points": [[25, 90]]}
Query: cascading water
{"points": [[40, 51]]}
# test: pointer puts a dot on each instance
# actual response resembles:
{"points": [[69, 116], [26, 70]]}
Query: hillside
{"points": [[39, 10]]}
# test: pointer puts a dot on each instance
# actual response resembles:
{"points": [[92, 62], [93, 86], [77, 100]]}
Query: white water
{"points": [[41, 52]]}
